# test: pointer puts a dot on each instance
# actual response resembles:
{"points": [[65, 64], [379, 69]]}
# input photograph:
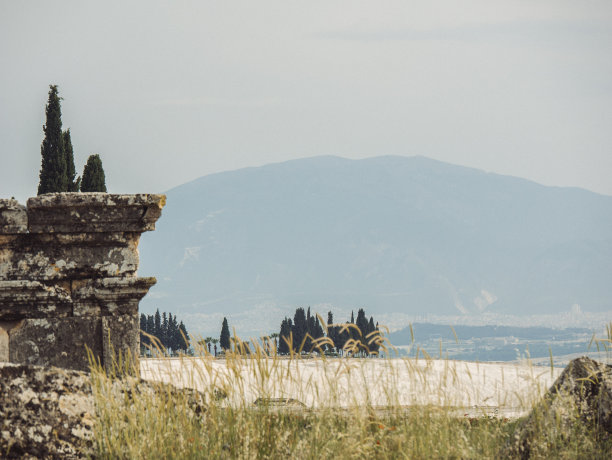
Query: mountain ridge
{"points": [[395, 234]]}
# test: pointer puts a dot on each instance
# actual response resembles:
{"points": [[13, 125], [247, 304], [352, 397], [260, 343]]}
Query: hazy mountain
{"points": [[394, 234]]}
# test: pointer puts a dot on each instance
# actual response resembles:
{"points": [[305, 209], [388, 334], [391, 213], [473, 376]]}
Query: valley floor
{"points": [[471, 389]]}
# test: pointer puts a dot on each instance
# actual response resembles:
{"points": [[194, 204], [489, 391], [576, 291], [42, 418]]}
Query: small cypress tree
{"points": [[93, 175], [224, 339], [53, 174], [74, 183]]}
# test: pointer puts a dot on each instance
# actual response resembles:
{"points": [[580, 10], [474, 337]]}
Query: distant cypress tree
{"points": [[157, 332], [224, 339], [331, 330], [165, 330], [284, 336], [311, 329], [93, 175], [318, 332], [53, 174], [143, 328], [74, 183], [373, 346], [184, 337], [150, 329], [299, 328], [175, 341], [362, 324]]}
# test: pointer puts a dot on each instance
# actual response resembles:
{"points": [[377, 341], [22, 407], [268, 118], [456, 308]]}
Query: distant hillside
{"points": [[491, 343], [393, 234], [426, 331]]}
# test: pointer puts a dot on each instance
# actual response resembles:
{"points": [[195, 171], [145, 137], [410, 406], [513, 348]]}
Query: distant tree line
{"points": [[57, 172], [305, 334], [173, 336]]}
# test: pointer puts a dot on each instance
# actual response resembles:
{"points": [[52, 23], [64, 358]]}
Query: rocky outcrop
{"points": [[68, 276], [47, 412], [581, 397]]}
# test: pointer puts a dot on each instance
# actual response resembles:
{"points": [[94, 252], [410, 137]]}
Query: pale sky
{"points": [[169, 91]]}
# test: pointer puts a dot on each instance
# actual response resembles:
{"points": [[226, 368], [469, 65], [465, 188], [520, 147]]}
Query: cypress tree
{"points": [[224, 339], [362, 324], [285, 336], [93, 175], [175, 340], [74, 183], [143, 328], [299, 329], [186, 338], [331, 330], [318, 331], [164, 330], [374, 346], [53, 174], [310, 330], [150, 326], [158, 330]]}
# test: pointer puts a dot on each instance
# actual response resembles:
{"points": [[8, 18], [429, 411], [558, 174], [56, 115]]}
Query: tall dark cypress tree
{"points": [[224, 339], [174, 336], [310, 330], [93, 175], [184, 336], [331, 330], [150, 326], [74, 183], [158, 329], [374, 345], [362, 324], [53, 175], [284, 336], [299, 329], [165, 330], [143, 328]]}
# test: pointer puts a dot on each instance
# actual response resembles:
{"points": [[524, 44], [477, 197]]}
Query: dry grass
{"points": [[156, 425]]}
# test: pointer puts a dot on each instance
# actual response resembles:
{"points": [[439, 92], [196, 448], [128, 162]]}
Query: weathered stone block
{"points": [[13, 217], [53, 256], [31, 299], [109, 296], [121, 341], [93, 212], [45, 413], [50, 413], [56, 342]]}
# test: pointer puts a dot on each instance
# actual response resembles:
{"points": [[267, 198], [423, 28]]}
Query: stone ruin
{"points": [[68, 277]]}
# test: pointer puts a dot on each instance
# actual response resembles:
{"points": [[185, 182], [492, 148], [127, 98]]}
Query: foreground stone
{"points": [[581, 395], [47, 412]]}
